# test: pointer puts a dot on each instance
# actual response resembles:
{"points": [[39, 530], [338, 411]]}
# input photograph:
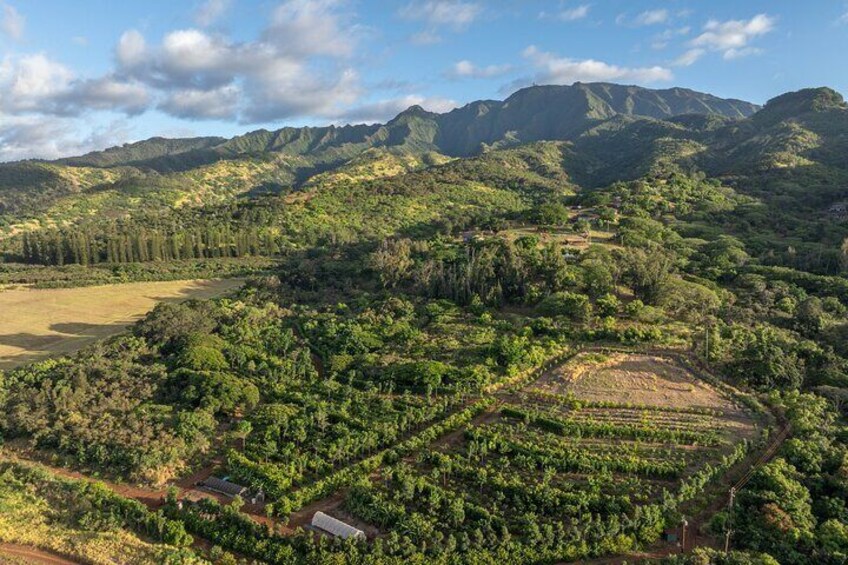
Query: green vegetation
{"points": [[410, 281]]}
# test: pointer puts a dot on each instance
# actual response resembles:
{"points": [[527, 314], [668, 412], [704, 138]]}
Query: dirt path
{"points": [[29, 554]]}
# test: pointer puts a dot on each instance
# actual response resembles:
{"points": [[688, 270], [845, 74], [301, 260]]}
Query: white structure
{"points": [[336, 527]]}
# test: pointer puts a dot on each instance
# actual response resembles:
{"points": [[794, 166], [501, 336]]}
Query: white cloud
{"points": [[552, 69], [384, 110], [646, 18], [574, 14], [36, 84], [298, 67], [210, 11], [661, 40], [220, 103], [455, 14], [467, 69], [12, 23], [29, 81], [26, 137], [312, 27], [690, 57], [80, 40], [425, 38], [651, 17], [105, 93], [131, 49], [733, 36]]}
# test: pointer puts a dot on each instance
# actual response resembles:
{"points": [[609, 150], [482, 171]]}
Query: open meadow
{"points": [[39, 323]]}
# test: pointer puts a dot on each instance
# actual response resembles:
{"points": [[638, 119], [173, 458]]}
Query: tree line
{"points": [[133, 244]]}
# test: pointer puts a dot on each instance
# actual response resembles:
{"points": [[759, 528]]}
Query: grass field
{"points": [[35, 324]]}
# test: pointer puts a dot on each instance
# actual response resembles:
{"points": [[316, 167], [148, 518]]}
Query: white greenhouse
{"points": [[336, 527]]}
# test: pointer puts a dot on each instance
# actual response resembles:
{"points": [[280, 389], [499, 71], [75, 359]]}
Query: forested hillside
{"points": [[541, 330]]}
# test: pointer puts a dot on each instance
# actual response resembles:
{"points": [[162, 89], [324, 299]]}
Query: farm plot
{"points": [[563, 457]]}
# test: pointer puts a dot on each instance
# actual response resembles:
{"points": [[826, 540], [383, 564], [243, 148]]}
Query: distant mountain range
{"points": [[601, 133], [538, 113]]}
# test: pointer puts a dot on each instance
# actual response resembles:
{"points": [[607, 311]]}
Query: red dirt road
{"points": [[29, 554]]}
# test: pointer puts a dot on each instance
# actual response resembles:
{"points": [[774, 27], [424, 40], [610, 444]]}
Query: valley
{"points": [[548, 329]]}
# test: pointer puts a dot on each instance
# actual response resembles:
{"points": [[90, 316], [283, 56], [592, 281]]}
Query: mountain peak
{"points": [[414, 111], [803, 101]]}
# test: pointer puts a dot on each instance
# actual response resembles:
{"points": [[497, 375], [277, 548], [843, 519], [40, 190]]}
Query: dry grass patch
{"points": [[40, 323], [641, 380]]}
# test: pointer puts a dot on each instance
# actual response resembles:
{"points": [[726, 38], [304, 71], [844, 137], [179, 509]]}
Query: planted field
{"points": [[39, 323], [556, 463]]}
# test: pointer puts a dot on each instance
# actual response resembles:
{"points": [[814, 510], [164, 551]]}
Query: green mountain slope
{"points": [[789, 154]]}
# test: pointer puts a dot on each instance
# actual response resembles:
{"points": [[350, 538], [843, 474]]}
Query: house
{"points": [[335, 527]]}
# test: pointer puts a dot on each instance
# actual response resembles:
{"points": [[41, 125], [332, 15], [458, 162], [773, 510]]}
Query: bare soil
{"points": [[637, 379]]}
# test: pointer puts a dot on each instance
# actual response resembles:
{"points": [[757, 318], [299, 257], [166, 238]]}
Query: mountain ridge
{"points": [[536, 113]]}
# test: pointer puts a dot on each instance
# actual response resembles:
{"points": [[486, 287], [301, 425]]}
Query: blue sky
{"points": [[87, 74]]}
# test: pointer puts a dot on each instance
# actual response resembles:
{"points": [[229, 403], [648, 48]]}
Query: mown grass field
{"points": [[39, 323]]}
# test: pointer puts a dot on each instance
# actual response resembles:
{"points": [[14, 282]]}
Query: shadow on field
{"points": [[66, 336]]}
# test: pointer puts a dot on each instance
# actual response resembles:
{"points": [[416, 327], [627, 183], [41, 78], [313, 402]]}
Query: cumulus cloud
{"points": [[37, 84], [193, 104], [732, 37], [210, 11], [384, 110], [552, 69], [25, 137], [297, 67], [312, 27], [12, 23], [131, 49], [467, 69], [27, 82]]}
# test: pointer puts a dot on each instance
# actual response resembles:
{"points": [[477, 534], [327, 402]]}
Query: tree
{"points": [[553, 214], [392, 261], [571, 304], [648, 275]]}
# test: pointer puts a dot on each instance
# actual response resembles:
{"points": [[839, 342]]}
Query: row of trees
{"points": [[134, 244]]}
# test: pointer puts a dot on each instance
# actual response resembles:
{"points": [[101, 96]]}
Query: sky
{"points": [[82, 75]]}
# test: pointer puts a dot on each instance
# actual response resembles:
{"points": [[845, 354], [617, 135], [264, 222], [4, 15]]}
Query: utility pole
{"points": [[729, 531], [683, 537]]}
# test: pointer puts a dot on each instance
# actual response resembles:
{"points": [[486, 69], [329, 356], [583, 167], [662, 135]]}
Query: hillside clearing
{"points": [[39, 323]]}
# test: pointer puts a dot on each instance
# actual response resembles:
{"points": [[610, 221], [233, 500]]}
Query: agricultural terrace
{"points": [[604, 441]]}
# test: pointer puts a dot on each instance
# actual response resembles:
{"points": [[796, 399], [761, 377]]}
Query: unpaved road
{"points": [[26, 554]]}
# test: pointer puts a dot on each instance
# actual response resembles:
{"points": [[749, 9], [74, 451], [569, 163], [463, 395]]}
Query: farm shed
{"points": [[224, 487], [335, 527]]}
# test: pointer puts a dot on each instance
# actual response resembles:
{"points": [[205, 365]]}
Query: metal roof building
{"points": [[336, 527], [224, 487]]}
